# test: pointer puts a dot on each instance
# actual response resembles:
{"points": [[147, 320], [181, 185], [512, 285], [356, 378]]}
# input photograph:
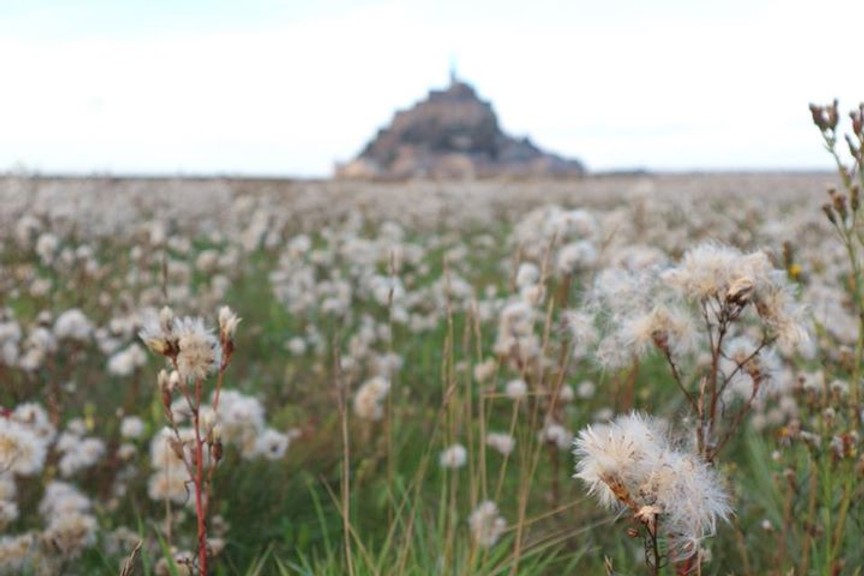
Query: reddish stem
{"points": [[686, 567]]}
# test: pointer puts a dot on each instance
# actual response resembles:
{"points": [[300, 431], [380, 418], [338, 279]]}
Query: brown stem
{"points": [[679, 380], [200, 504], [556, 466], [345, 491], [709, 387], [655, 552], [736, 422]]}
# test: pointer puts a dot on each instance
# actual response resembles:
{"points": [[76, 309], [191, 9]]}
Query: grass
{"points": [[382, 503]]}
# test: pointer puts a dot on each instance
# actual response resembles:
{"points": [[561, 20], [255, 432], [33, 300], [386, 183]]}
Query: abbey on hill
{"points": [[452, 134]]}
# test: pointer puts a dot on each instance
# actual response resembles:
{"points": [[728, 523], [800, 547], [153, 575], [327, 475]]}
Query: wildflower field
{"points": [[631, 374]]}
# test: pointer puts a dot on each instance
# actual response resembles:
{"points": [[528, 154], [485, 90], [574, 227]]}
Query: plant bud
{"points": [[818, 115], [740, 291], [661, 340], [858, 121], [833, 115], [228, 322], [164, 381], [217, 450], [166, 320], [208, 422], [176, 447]]}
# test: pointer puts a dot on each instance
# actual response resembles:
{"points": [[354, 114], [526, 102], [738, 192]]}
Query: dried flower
{"points": [[131, 427], [21, 450], [73, 325], [199, 352], [630, 463], [557, 435], [486, 524], [500, 442], [516, 389], [228, 322], [369, 398], [272, 444], [454, 457]]}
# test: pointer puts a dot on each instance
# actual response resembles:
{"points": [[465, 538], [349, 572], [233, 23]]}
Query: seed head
{"points": [[486, 524], [228, 322], [454, 457], [739, 291], [631, 464]]}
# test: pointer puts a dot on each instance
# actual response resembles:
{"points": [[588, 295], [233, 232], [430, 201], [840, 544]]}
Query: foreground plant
{"points": [[195, 353], [726, 306], [673, 494], [820, 452], [844, 210]]}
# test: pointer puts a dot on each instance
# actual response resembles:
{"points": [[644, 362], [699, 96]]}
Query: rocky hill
{"points": [[452, 134]]}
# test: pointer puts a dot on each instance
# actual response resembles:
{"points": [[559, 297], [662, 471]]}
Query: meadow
{"points": [[620, 374]]}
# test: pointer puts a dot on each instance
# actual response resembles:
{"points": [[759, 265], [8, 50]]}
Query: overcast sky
{"points": [[270, 87]]}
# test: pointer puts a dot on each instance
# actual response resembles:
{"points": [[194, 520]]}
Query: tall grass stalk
{"points": [[345, 485]]}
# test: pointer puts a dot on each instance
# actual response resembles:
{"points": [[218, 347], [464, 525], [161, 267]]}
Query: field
{"points": [[420, 369]]}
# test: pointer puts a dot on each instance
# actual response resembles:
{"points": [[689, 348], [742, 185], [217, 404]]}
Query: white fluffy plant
{"points": [[632, 465], [194, 353], [729, 308], [734, 295]]}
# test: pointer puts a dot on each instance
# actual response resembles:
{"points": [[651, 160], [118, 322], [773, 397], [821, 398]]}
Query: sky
{"points": [[289, 87]]}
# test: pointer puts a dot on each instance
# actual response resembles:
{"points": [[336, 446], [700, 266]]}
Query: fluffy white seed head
{"points": [[200, 353], [501, 442], [631, 463], [21, 451], [486, 524], [368, 401], [455, 456]]}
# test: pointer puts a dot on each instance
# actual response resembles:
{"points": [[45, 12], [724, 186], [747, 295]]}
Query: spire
{"points": [[453, 78]]}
